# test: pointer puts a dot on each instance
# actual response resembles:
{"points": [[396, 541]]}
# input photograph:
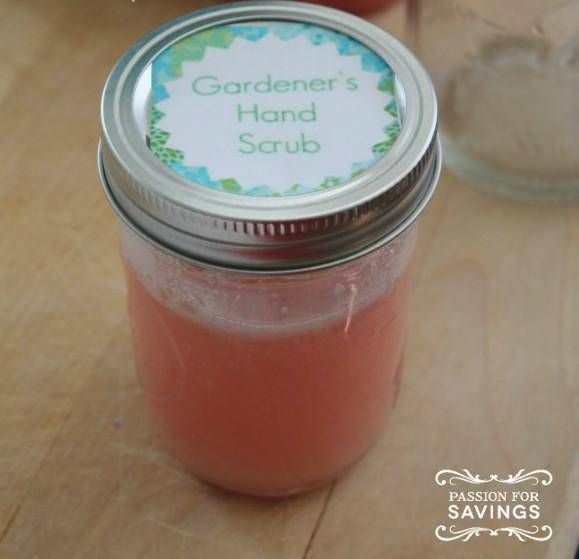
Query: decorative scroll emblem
{"points": [[466, 534], [509, 503], [544, 477]]}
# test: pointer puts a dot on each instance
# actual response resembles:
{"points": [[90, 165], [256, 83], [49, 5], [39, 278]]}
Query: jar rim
{"points": [[166, 248]]}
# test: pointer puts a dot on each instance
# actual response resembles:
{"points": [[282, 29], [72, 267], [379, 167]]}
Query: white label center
{"points": [[271, 108]]}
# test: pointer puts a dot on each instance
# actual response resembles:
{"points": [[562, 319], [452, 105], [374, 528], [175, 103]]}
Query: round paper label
{"points": [[271, 108]]}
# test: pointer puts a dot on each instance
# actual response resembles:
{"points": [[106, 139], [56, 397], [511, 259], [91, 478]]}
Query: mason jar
{"points": [[268, 162], [507, 77]]}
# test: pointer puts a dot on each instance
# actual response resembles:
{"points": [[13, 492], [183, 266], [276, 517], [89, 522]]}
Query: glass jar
{"points": [[507, 76], [269, 321]]}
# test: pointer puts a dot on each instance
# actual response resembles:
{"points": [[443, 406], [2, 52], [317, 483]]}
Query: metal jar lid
{"points": [[268, 233]]}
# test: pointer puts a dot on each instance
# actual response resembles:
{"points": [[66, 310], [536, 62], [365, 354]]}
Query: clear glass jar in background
{"points": [[507, 78]]}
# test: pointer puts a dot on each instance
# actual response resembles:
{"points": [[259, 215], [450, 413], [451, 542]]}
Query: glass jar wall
{"points": [[269, 384]]}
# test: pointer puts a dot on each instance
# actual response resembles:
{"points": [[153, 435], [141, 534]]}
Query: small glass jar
{"points": [[269, 310], [507, 76]]}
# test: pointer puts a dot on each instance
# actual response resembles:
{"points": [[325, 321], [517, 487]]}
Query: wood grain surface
{"points": [[491, 380]]}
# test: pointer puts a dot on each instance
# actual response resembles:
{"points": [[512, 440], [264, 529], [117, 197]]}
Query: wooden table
{"points": [[491, 381]]}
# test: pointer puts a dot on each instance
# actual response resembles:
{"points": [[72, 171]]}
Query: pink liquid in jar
{"points": [[269, 385]]}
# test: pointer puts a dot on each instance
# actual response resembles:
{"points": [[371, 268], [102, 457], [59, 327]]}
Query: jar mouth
{"points": [[173, 249], [160, 193]]}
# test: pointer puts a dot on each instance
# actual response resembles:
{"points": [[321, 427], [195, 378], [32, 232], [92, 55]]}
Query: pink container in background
{"points": [[359, 6]]}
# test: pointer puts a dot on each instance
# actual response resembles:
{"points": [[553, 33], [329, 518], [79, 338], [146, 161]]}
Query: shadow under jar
{"points": [[268, 163]]}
